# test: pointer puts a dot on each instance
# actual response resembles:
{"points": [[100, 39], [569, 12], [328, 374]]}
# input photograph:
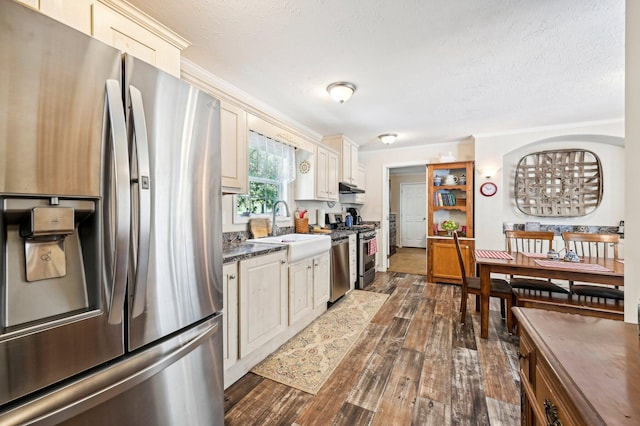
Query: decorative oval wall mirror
{"points": [[559, 183]]}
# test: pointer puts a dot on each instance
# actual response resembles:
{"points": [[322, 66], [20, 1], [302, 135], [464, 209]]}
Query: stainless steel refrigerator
{"points": [[110, 225]]}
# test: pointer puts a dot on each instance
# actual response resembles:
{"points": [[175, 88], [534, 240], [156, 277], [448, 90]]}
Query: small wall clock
{"points": [[304, 166], [488, 189]]}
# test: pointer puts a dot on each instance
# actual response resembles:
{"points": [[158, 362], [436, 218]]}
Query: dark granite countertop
{"points": [[241, 251]]}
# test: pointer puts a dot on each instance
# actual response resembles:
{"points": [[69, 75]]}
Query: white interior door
{"points": [[413, 215]]}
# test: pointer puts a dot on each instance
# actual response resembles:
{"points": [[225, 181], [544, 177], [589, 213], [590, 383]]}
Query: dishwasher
{"points": [[339, 269]]}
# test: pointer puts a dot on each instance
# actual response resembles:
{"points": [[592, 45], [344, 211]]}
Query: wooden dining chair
{"points": [[471, 285], [539, 242], [601, 246]]}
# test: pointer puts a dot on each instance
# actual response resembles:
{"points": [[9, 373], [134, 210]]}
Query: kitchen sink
{"points": [[300, 246]]}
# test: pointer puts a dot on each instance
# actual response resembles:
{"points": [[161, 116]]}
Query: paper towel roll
{"points": [[320, 217]]}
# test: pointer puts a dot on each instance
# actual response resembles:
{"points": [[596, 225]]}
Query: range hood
{"points": [[348, 188]]}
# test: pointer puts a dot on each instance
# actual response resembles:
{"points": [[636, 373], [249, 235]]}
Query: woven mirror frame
{"points": [[559, 183]]}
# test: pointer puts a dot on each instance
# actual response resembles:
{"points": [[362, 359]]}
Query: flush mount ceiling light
{"points": [[341, 91], [388, 138]]}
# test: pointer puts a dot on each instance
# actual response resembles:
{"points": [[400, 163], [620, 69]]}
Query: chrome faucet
{"points": [[274, 227]]}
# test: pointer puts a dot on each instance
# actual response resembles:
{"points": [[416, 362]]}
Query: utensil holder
{"points": [[302, 225]]}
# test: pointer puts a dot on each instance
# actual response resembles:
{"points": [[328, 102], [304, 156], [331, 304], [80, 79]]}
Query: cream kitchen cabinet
{"points": [[76, 13], [120, 25], [31, 3], [353, 260], [321, 279], [234, 140], [317, 177], [230, 315], [125, 28], [308, 286], [263, 300], [348, 164], [327, 175]]}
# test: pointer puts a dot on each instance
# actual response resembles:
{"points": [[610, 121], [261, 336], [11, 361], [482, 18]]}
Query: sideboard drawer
{"points": [[552, 404], [527, 354]]}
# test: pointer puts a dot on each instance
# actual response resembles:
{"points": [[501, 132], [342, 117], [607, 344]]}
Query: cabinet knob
{"points": [[309, 267], [232, 276], [522, 356], [282, 262]]}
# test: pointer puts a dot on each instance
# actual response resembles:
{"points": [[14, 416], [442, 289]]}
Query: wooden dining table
{"points": [[594, 270]]}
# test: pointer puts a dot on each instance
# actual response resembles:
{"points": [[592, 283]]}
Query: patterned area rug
{"points": [[307, 360]]}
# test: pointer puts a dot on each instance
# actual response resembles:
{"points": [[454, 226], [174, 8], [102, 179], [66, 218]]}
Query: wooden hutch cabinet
{"points": [[450, 197]]}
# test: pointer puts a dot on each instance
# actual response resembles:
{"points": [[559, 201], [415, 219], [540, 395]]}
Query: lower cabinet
{"points": [[267, 302], [230, 314], [263, 300], [321, 279], [308, 286], [353, 261], [442, 259]]}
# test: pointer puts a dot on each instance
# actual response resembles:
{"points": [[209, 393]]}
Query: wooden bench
{"points": [[600, 308]]}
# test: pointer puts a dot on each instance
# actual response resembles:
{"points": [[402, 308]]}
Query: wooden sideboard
{"points": [[578, 370]]}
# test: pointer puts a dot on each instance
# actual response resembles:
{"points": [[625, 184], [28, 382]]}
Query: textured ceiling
{"points": [[429, 70]]}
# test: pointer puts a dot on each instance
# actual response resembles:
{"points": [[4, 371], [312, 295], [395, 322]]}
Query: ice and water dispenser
{"points": [[50, 251]]}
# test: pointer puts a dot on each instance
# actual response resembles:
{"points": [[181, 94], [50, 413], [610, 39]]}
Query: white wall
{"points": [[632, 131], [377, 164], [376, 161], [502, 153]]}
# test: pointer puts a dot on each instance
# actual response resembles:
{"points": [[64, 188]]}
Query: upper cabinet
{"points": [[233, 129], [125, 28], [120, 25], [348, 159], [317, 174]]}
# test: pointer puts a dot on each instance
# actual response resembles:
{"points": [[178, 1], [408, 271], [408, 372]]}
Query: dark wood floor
{"points": [[414, 364]]}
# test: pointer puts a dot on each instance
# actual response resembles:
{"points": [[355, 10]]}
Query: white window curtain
{"points": [[284, 157]]}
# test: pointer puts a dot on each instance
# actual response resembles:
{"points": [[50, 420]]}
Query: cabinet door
{"points": [[233, 129], [230, 314], [76, 13], [353, 163], [263, 300], [321, 279], [442, 261], [300, 289], [124, 34], [322, 163], [332, 176], [353, 261]]}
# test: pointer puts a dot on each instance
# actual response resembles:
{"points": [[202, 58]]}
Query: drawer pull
{"points": [[551, 413], [522, 356]]}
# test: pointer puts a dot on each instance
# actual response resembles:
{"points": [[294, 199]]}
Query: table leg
{"points": [[485, 288]]}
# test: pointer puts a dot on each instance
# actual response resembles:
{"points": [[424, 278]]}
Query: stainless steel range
{"points": [[367, 249]]}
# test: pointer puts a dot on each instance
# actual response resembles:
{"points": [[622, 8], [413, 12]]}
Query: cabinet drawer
{"points": [[551, 402], [527, 358]]}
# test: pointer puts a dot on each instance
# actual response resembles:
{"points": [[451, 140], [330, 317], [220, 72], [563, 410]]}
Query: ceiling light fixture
{"points": [[341, 91], [388, 138]]}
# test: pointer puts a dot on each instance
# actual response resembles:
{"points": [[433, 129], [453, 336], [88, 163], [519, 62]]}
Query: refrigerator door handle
{"points": [[118, 187], [140, 143]]}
